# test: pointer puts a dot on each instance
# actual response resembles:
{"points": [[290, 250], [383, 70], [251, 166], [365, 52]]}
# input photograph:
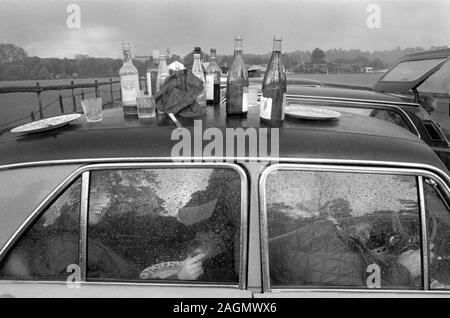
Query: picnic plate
{"points": [[46, 124], [314, 113], [161, 270]]}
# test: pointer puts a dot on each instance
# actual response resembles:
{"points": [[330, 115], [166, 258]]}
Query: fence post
{"points": [[74, 101], [82, 94], [96, 88], [111, 91], [32, 116], [41, 111], [61, 105]]}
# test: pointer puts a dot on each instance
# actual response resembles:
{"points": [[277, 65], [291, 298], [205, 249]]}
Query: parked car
{"points": [[346, 207], [403, 95]]}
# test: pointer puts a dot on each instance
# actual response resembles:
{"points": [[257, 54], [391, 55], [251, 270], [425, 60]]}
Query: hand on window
{"points": [[192, 268]]}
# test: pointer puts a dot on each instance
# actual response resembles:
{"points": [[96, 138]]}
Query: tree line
{"points": [[15, 64]]}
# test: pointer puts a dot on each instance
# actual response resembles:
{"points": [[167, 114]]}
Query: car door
{"points": [[333, 231], [129, 230]]}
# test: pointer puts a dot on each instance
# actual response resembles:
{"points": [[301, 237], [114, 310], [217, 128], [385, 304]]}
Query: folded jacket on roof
{"points": [[178, 94]]}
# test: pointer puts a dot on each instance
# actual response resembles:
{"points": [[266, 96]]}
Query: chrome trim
{"points": [[326, 168], [84, 206], [416, 131], [356, 100], [388, 292], [138, 283], [424, 234], [231, 159], [87, 168]]}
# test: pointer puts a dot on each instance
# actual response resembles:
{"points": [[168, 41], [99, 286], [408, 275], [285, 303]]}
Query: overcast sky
{"points": [[40, 27]]}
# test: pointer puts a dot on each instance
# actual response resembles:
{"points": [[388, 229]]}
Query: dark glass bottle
{"points": [[213, 80], [237, 83], [273, 97]]}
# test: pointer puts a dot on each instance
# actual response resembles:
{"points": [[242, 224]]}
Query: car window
{"points": [[438, 219], [410, 71], [339, 229], [51, 244], [172, 224]]}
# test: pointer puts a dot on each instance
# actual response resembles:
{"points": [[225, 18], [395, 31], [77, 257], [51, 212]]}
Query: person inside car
{"points": [[323, 254]]}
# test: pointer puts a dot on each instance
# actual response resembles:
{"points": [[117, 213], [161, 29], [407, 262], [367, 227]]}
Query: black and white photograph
{"points": [[225, 155]]}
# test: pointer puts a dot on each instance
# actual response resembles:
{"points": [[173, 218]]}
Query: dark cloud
{"points": [[40, 25]]}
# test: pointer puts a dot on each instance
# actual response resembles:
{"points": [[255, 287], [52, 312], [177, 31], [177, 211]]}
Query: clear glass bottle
{"points": [[273, 97], [198, 50], [212, 85], [163, 72], [129, 81], [197, 70], [237, 83]]}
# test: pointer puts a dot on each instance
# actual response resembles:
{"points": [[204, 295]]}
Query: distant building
{"points": [[256, 70], [368, 69]]}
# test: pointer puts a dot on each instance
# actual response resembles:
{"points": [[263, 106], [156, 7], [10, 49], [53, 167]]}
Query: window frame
{"points": [[84, 173], [418, 173]]}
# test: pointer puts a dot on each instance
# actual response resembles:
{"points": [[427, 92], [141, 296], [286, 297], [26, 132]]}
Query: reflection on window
{"points": [[410, 71], [438, 82], [173, 224], [330, 229], [51, 245], [438, 219]]}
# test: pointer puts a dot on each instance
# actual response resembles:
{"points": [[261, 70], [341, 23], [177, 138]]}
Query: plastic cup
{"points": [[92, 108], [146, 106]]}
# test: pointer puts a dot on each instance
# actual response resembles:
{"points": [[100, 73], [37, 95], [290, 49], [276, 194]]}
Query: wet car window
{"points": [[331, 229], [178, 224], [411, 70], [51, 244], [438, 219]]}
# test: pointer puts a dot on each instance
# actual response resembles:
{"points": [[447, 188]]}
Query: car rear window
{"points": [[343, 230], [179, 224], [410, 71]]}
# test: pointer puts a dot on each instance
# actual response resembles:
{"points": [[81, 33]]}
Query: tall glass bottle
{"points": [[273, 97], [213, 80], [237, 83], [197, 70], [198, 50], [129, 81], [163, 72]]}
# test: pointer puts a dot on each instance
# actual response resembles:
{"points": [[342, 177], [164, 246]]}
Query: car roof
{"points": [[350, 137]]}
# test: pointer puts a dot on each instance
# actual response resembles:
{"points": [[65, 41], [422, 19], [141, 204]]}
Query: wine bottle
{"points": [[273, 97], [213, 73], [237, 83]]}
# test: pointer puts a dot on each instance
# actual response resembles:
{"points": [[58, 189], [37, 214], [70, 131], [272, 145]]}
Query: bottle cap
{"points": [[197, 50]]}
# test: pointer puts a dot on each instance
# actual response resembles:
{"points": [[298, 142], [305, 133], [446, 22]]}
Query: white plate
{"points": [[46, 124], [161, 270], [307, 112]]}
